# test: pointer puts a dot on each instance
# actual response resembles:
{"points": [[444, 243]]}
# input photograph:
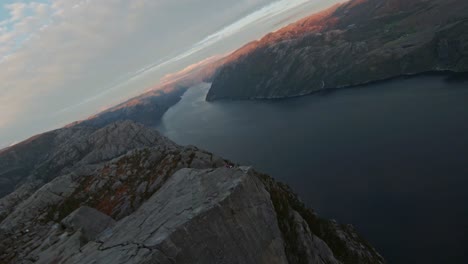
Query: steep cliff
{"points": [[354, 43], [135, 197]]}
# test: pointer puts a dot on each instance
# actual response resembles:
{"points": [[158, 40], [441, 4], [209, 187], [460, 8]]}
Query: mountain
{"points": [[349, 44], [149, 107], [36, 161], [41, 157], [125, 194]]}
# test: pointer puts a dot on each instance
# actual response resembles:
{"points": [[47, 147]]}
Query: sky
{"points": [[64, 60]]}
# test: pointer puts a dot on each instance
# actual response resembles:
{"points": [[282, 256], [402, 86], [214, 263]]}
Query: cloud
{"points": [[62, 60], [17, 11], [58, 53], [255, 17]]}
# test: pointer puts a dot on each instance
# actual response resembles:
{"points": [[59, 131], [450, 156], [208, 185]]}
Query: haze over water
{"points": [[390, 158]]}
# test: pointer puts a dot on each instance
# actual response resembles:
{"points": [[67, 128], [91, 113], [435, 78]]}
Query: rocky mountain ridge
{"points": [[125, 194], [349, 44]]}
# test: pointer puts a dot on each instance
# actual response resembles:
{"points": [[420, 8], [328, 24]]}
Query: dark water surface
{"points": [[390, 158]]}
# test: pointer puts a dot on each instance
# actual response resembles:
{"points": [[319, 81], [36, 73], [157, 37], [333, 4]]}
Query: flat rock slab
{"points": [[90, 221], [199, 216]]}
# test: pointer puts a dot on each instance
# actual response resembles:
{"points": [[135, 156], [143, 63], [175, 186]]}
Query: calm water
{"points": [[390, 158]]}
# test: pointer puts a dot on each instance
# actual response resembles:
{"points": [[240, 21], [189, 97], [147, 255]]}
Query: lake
{"points": [[391, 158]]}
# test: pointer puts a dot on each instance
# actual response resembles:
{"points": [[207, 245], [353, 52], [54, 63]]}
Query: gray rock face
{"points": [[315, 250], [167, 204], [75, 149], [89, 221], [200, 216], [350, 44]]}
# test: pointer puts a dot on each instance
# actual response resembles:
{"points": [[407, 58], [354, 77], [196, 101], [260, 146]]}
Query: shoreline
{"points": [[451, 76]]}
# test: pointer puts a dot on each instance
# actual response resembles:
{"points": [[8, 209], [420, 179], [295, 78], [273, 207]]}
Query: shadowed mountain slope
{"points": [[354, 43]]}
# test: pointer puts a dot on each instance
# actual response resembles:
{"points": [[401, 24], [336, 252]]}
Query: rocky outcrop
{"points": [[349, 44], [203, 216], [164, 203], [78, 149], [311, 239]]}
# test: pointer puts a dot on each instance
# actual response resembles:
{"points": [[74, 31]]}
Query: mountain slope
{"points": [[25, 161], [135, 197], [149, 107], [29, 165], [349, 44]]}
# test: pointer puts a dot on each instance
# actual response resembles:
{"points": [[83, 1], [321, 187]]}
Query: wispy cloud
{"points": [[257, 16]]}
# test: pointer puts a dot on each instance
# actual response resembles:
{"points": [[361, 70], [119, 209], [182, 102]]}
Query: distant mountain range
{"points": [[349, 44]]}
